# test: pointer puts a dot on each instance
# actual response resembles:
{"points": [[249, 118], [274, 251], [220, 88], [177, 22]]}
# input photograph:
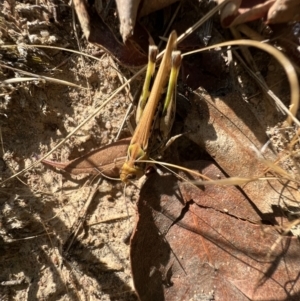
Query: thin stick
{"points": [[82, 215]]}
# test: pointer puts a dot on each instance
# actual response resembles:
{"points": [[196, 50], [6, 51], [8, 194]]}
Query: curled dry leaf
{"points": [[97, 31], [106, 160], [127, 11], [208, 243], [284, 11], [130, 10], [273, 11]]}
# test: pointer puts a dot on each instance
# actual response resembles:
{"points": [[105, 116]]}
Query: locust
{"points": [[156, 109]]}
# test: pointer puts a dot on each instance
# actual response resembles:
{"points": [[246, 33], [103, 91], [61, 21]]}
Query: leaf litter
{"points": [[93, 258], [211, 241]]}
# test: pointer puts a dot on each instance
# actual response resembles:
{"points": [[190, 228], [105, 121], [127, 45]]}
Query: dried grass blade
{"points": [[40, 77], [282, 59]]}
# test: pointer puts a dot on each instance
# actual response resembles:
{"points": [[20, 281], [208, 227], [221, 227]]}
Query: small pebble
{"points": [[108, 125]]}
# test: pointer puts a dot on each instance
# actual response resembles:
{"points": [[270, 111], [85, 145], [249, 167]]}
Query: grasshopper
{"points": [[148, 108]]}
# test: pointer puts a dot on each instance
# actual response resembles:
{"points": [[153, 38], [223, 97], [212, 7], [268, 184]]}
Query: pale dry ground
{"points": [[36, 216]]}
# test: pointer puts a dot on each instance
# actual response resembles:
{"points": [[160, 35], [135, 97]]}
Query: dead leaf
{"points": [[273, 11], [231, 133], [284, 11], [129, 9], [106, 160], [97, 31], [208, 244]]}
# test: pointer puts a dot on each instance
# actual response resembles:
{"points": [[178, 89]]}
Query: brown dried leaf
{"points": [[284, 11], [128, 10], [273, 11], [97, 31], [208, 244], [106, 160], [229, 131]]}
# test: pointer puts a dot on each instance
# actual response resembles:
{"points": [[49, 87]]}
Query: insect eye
{"points": [[131, 176]]}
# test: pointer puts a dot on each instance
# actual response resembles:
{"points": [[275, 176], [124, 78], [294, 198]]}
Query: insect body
{"points": [[140, 147]]}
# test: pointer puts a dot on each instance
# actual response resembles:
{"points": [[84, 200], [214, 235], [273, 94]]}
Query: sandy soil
{"points": [[39, 209], [43, 207]]}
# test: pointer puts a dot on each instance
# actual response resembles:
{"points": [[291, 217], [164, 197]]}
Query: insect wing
{"points": [[169, 106], [153, 50]]}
